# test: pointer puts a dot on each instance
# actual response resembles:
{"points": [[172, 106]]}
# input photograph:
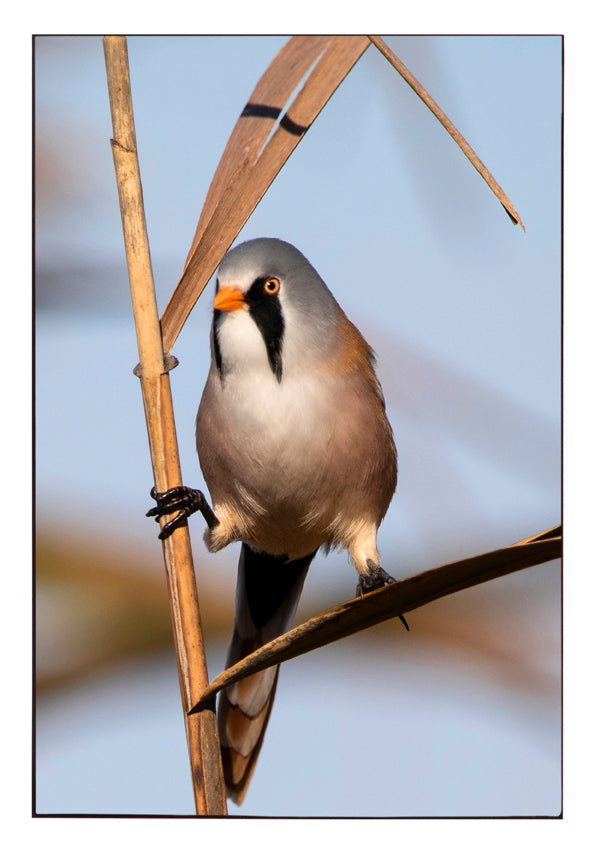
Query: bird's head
{"points": [[272, 310]]}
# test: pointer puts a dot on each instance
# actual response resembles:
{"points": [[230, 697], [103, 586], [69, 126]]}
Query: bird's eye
{"points": [[271, 286]]}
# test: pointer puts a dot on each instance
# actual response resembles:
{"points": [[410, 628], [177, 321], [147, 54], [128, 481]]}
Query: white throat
{"points": [[241, 345]]}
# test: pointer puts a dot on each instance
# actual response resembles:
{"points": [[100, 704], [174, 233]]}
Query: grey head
{"points": [[285, 298]]}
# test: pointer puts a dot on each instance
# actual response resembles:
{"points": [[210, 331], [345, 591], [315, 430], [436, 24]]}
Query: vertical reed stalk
{"points": [[201, 729]]}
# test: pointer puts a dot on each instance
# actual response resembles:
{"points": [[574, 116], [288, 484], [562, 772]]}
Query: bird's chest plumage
{"points": [[266, 459], [274, 434]]}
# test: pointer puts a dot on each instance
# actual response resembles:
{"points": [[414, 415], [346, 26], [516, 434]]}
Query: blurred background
{"points": [[459, 717]]}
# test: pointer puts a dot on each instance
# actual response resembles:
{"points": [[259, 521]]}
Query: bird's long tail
{"points": [[267, 593]]}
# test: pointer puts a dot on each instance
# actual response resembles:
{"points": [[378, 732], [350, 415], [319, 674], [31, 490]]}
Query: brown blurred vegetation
{"points": [[98, 602]]}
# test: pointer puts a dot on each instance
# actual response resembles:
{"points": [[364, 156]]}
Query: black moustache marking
{"points": [[265, 309], [216, 346]]}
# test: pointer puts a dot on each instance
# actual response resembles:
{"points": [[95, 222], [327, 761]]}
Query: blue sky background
{"points": [[463, 310]]}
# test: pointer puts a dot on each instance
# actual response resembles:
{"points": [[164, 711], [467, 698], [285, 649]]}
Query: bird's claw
{"points": [[186, 501], [374, 579]]}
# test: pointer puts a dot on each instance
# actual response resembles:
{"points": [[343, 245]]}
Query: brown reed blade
{"points": [[258, 118], [389, 602], [448, 126], [247, 169]]}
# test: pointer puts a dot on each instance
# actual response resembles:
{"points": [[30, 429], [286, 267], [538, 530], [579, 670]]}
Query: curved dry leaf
{"points": [[247, 168], [258, 118], [391, 601]]}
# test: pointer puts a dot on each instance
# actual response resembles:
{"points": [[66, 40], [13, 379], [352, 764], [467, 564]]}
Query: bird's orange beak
{"points": [[229, 298]]}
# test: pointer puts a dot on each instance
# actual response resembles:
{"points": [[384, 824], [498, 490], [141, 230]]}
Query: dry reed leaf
{"points": [[388, 602], [247, 169], [251, 131], [448, 126]]}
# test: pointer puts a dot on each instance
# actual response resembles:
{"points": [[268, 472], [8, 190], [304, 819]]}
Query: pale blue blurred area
{"points": [[400, 734], [463, 310]]}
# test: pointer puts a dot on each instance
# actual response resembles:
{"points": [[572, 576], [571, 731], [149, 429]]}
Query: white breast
{"points": [[275, 424]]}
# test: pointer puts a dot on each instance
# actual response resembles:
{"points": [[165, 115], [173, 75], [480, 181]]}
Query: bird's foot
{"points": [[186, 501], [376, 577]]}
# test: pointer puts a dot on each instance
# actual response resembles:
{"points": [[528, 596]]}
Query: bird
{"points": [[298, 456]]}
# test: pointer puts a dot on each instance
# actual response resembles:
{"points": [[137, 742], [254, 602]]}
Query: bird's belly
{"points": [[285, 466], [278, 445], [305, 463]]}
